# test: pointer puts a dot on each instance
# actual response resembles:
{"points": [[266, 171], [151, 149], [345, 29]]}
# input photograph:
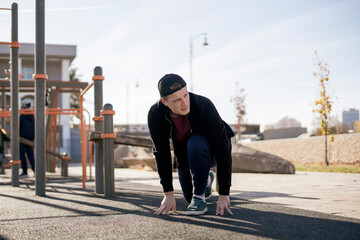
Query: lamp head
{"points": [[205, 44]]}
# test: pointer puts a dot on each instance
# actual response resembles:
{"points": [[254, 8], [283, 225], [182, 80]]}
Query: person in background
{"points": [[3, 138], [27, 131]]}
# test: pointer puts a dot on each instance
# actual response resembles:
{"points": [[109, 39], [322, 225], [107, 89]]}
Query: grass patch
{"points": [[340, 168]]}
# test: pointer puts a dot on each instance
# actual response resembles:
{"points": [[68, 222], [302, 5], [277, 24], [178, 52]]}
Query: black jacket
{"points": [[27, 127], [3, 138], [204, 120]]}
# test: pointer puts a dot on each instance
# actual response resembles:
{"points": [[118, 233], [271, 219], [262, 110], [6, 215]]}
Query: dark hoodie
{"points": [[27, 127], [204, 120]]}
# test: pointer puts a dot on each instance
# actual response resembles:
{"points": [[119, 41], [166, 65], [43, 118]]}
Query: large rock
{"points": [[245, 159], [120, 152], [139, 163], [134, 157]]}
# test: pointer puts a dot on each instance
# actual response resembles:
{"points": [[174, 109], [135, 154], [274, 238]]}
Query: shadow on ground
{"points": [[133, 202]]}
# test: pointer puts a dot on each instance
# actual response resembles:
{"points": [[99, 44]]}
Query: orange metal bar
{"points": [[82, 130], [54, 129], [40, 76], [90, 152], [107, 112], [90, 146], [108, 135], [48, 138], [86, 89], [5, 9], [97, 118], [83, 151], [98, 77], [54, 144], [15, 44], [83, 154]]}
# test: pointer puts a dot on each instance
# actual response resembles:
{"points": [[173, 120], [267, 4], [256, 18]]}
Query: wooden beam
{"points": [[32, 144], [125, 140]]}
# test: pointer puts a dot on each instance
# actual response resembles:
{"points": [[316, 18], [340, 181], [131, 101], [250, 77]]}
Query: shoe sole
{"points": [[196, 212]]}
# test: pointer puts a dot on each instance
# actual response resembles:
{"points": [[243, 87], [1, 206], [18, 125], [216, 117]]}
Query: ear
{"points": [[163, 101]]}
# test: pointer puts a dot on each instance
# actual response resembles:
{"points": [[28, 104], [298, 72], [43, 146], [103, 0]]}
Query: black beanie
{"points": [[169, 84]]}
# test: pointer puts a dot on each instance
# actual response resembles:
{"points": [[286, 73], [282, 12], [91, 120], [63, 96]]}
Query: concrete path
{"points": [[265, 207], [332, 193]]}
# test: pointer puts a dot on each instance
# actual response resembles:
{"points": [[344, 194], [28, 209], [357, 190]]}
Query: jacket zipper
{"points": [[171, 127], [191, 131]]}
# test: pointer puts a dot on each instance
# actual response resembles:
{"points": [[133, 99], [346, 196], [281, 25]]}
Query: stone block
{"points": [[245, 159]]}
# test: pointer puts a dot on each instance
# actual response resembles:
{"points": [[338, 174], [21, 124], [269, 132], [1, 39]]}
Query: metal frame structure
{"points": [[39, 85]]}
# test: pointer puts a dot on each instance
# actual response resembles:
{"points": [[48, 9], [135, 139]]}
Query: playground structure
{"points": [[39, 85], [103, 136]]}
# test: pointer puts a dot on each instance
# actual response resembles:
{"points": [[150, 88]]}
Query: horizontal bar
{"points": [[49, 83], [125, 140], [86, 89], [32, 144]]}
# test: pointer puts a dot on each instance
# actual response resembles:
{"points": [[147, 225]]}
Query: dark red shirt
{"points": [[182, 129]]}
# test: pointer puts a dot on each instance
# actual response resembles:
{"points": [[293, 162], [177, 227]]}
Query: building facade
{"points": [[58, 61], [350, 117]]}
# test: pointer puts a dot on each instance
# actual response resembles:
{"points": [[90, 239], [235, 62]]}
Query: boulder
{"points": [[138, 162], [133, 157], [245, 159]]}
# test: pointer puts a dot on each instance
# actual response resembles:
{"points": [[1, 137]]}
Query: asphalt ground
{"points": [[69, 211]]}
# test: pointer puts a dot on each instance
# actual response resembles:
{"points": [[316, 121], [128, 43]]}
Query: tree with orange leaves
{"points": [[324, 104]]}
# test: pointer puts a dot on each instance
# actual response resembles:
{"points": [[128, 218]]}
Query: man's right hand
{"points": [[167, 203]]}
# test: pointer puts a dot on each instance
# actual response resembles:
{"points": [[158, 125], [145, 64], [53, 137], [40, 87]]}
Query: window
{"points": [[27, 73]]}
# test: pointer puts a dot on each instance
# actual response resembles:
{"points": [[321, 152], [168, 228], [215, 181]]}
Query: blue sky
{"points": [[265, 46]]}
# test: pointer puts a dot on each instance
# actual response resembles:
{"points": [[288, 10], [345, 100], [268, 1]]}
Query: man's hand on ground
{"points": [[167, 204], [223, 203]]}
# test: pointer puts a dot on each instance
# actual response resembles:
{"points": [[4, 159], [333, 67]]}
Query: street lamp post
{"points": [[205, 44]]}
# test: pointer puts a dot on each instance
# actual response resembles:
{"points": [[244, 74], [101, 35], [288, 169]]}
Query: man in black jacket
{"points": [[201, 140]]}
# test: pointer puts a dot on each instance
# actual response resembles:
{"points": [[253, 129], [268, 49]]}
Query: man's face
{"points": [[178, 102]]}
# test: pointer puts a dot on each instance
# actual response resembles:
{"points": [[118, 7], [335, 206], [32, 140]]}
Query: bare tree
{"points": [[240, 109]]}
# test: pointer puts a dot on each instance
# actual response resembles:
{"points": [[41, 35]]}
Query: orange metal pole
{"points": [[83, 137], [54, 143], [90, 146], [84, 158], [83, 151]]}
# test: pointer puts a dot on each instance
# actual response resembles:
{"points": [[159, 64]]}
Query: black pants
{"points": [[30, 154], [193, 176]]}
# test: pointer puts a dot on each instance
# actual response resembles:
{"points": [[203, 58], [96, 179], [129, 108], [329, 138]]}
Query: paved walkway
{"points": [[332, 193], [265, 206]]}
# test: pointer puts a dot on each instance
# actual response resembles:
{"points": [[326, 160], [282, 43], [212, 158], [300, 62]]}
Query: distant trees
{"points": [[285, 122], [323, 105], [239, 102]]}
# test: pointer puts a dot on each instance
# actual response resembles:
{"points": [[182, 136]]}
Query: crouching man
{"points": [[201, 140]]}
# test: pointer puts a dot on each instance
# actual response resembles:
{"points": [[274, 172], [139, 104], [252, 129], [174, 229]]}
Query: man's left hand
{"points": [[223, 203]]}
